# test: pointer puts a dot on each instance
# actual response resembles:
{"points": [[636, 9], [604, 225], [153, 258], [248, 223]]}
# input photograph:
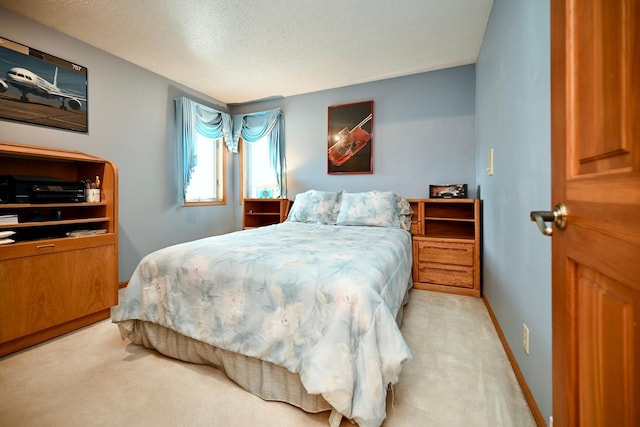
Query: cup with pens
{"points": [[92, 190]]}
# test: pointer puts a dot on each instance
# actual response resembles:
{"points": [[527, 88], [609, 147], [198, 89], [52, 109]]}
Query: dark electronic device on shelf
{"points": [[39, 189]]}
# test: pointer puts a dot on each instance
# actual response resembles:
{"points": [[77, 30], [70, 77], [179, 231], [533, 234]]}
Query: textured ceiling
{"points": [[245, 50]]}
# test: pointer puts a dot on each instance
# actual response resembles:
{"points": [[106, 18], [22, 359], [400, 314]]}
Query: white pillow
{"points": [[318, 207], [373, 208]]}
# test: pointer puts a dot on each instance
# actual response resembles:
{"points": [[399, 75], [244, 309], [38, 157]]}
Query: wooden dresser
{"points": [[446, 245], [51, 284], [261, 212]]}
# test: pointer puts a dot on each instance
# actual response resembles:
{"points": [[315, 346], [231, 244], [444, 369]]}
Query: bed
{"points": [[304, 312]]}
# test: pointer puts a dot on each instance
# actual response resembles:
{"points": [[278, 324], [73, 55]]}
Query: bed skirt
{"points": [[264, 379], [261, 378]]}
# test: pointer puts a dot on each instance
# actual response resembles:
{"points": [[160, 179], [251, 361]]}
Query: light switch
{"points": [[490, 165]]}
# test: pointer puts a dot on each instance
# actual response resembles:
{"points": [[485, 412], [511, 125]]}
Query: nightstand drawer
{"points": [[445, 252], [449, 275]]}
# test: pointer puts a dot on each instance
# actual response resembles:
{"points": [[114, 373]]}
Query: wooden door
{"points": [[595, 85]]}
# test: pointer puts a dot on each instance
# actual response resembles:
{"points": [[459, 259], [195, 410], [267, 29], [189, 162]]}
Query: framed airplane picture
{"points": [[349, 139], [42, 89]]}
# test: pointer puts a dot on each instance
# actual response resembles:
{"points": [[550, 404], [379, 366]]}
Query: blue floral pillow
{"points": [[373, 208], [404, 213], [319, 207]]}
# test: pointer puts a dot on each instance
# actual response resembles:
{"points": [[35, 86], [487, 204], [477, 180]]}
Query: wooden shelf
{"points": [[50, 205], [53, 223], [435, 218], [52, 284], [446, 245], [262, 212]]}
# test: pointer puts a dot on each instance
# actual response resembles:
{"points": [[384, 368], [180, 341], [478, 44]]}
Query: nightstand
{"points": [[446, 245], [261, 212]]}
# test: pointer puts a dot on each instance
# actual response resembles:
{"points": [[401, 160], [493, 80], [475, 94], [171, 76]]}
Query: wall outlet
{"points": [[525, 338]]}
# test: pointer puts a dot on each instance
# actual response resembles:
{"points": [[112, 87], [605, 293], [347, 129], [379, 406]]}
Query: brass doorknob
{"points": [[558, 216]]}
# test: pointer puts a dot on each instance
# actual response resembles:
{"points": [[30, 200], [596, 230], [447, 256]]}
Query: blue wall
{"points": [[513, 118], [131, 122], [428, 128], [423, 133]]}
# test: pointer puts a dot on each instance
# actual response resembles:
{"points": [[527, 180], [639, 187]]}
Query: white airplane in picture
{"points": [[28, 82]]}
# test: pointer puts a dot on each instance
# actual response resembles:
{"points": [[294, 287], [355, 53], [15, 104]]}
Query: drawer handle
{"points": [[449, 248], [450, 269], [47, 246]]}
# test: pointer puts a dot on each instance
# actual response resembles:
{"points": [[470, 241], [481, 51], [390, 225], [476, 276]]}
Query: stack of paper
{"points": [[79, 233], [9, 219], [4, 237]]}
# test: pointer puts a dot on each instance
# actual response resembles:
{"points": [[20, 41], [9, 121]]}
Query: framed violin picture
{"points": [[350, 138]]}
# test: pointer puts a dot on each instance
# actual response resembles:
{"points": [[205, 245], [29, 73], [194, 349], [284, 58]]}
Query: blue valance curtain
{"points": [[256, 126], [192, 118]]}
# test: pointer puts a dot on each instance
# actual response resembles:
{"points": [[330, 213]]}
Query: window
{"points": [[207, 176], [201, 136], [259, 177], [259, 139]]}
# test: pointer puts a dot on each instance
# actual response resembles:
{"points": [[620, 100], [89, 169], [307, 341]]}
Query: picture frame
{"points": [[448, 191], [350, 138], [41, 89]]}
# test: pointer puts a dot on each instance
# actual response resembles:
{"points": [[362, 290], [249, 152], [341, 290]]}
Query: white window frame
{"points": [[214, 194]]}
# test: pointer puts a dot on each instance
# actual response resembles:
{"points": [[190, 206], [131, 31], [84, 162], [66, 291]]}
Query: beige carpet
{"points": [[459, 376]]}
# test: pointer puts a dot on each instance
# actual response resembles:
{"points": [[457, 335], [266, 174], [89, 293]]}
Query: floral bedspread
{"points": [[319, 300]]}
